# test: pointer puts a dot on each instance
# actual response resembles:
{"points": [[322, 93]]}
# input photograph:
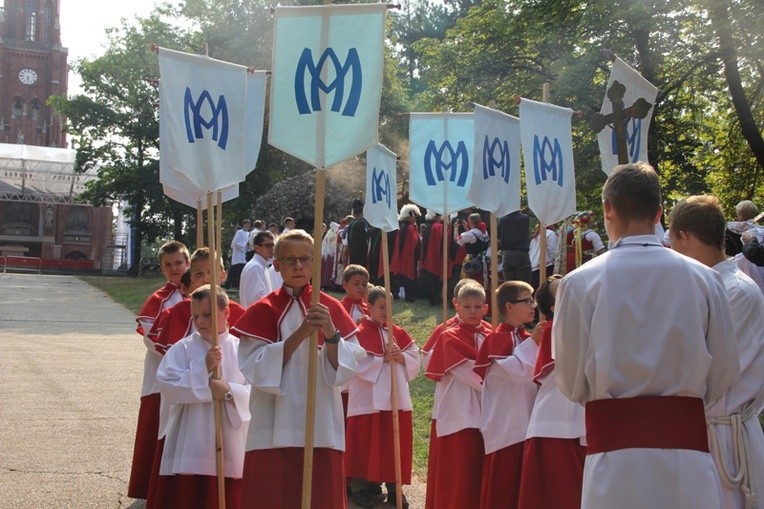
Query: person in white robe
{"points": [[735, 435], [187, 385], [643, 338], [255, 283]]}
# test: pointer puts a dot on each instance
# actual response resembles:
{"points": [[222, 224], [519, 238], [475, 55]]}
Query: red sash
{"points": [[650, 422]]}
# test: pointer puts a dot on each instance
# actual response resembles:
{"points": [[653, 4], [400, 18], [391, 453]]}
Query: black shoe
{"points": [[361, 499], [374, 490], [393, 501]]}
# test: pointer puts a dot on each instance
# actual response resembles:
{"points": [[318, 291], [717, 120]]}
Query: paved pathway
{"points": [[70, 371], [69, 386]]}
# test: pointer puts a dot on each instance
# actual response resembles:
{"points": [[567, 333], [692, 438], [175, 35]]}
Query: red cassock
{"points": [[502, 469], [456, 476], [148, 413], [369, 452], [348, 304], [174, 324], [553, 468], [154, 305], [432, 250], [405, 250], [272, 477]]}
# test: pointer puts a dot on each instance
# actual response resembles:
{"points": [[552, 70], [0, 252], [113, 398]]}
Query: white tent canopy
{"points": [[40, 174]]}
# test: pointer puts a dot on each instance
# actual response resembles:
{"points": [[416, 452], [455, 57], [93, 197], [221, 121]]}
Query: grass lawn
{"points": [[419, 319]]}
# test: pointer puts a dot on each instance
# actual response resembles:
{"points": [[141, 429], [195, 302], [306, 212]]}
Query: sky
{"points": [[84, 22]]}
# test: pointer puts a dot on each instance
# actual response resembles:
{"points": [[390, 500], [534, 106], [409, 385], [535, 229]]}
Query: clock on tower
{"points": [[28, 76]]}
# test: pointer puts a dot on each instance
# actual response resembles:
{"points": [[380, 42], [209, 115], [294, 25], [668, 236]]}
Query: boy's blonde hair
{"points": [[354, 270], [376, 293], [473, 290], [204, 292], [203, 253], [295, 235]]}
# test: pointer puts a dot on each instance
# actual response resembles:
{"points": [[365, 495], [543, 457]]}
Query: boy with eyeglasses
{"points": [[255, 282], [505, 364], [273, 355]]}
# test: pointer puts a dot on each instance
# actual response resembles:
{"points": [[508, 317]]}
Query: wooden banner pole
{"points": [[199, 224], [444, 271], [393, 382], [495, 313], [217, 404], [310, 409], [542, 226]]}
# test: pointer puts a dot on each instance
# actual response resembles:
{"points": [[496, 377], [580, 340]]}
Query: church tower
{"points": [[32, 68]]}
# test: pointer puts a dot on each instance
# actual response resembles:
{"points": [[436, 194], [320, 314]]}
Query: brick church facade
{"points": [[40, 216]]}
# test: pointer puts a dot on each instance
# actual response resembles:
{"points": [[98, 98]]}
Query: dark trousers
{"points": [[516, 265]]}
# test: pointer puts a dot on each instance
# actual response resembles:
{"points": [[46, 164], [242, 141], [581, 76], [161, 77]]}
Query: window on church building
{"points": [[47, 22], [18, 108], [31, 25], [35, 109]]}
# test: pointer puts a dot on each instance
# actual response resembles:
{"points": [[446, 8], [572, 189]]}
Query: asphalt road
{"points": [[70, 372], [71, 365]]}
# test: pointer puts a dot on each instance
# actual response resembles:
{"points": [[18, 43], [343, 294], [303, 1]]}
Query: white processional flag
{"points": [[547, 141], [441, 146], [326, 85], [212, 127], [495, 185], [381, 206], [636, 129]]}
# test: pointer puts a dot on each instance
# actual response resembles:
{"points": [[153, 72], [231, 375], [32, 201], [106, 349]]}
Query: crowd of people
{"points": [[639, 384]]}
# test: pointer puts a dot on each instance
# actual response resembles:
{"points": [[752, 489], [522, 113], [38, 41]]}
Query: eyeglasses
{"points": [[529, 302], [266, 245], [291, 261]]}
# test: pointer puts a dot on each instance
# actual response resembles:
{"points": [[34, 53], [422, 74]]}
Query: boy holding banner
{"points": [[273, 355], [188, 472], [173, 261], [643, 338]]}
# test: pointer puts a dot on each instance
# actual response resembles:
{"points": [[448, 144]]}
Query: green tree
{"points": [[115, 127]]}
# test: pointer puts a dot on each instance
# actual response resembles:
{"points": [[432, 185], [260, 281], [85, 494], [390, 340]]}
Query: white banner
{"points": [[495, 185], [636, 129], [209, 134], [327, 81], [441, 147], [381, 206], [550, 179]]}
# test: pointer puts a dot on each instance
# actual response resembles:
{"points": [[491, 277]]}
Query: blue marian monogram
{"points": [[457, 163], [195, 121], [380, 187], [547, 159], [492, 160], [306, 66]]}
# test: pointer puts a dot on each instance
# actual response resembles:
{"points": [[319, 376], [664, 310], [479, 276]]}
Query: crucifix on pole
{"points": [[619, 117]]}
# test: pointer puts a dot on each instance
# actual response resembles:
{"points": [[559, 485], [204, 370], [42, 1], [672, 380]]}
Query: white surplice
{"points": [[642, 320], [189, 446], [254, 283], [744, 401]]}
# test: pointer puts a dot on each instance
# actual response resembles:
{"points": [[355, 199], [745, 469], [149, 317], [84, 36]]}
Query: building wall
{"points": [[34, 67]]}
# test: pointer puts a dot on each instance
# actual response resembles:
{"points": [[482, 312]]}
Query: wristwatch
{"points": [[228, 395], [333, 340]]}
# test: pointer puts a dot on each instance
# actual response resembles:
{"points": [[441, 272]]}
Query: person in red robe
{"points": [[173, 262], [403, 265], [274, 355], [505, 363], [369, 437], [431, 275], [455, 475]]}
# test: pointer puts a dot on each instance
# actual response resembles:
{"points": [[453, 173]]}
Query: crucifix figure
{"points": [[618, 118]]}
